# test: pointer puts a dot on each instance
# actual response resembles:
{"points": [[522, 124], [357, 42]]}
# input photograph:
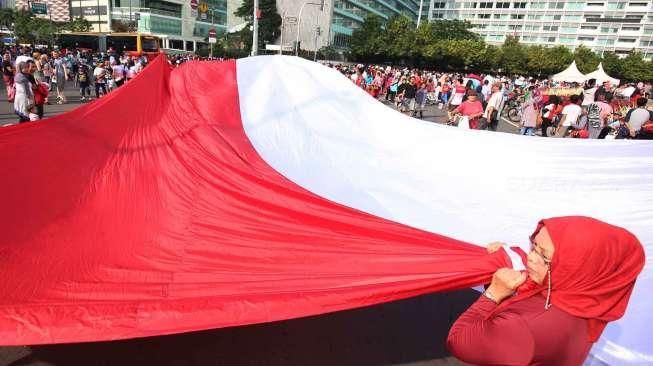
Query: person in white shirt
{"points": [[493, 104], [486, 90], [100, 75], [636, 117], [22, 58], [119, 73], [570, 114], [589, 92]]}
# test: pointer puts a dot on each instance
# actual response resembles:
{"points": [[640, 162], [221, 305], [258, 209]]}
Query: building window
{"points": [[556, 5], [616, 6], [503, 5], [592, 27], [519, 5], [550, 39], [538, 5], [567, 40], [595, 4], [439, 5], [630, 29], [516, 16], [534, 17], [550, 28], [575, 6], [532, 28], [469, 5], [586, 39], [646, 43], [638, 4], [572, 18], [568, 29], [341, 40], [484, 16], [515, 27], [557, 17], [626, 40], [486, 5]]}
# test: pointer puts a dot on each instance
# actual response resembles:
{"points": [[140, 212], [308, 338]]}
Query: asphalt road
{"points": [[7, 115], [408, 332]]}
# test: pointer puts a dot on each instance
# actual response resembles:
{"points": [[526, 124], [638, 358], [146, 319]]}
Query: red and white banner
{"points": [[221, 194]]}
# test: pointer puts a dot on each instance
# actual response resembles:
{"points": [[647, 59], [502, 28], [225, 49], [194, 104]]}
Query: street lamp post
{"points": [[283, 24], [255, 30], [99, 19], [299, 21]]}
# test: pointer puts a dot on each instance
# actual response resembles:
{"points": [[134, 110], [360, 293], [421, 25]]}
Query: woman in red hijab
{"points": [[580, 274]]}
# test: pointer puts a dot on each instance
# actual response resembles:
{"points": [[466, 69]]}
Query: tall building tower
{"points": [[349, 14], [601, 25], [233, 20], [57, 10], [182, 24]]}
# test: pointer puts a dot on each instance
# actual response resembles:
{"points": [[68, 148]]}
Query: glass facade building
{"points": [[349, 14], [179, 26], [601, 25]]}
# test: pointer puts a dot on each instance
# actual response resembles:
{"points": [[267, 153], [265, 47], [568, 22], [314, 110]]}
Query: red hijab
{"points": [[593, 270]]}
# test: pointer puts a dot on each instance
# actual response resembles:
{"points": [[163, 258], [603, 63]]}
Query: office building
{"points": [[601, 25], [55, 10]]}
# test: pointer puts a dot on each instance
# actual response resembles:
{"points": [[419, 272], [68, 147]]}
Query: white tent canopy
{"points": [[600, 75], [570, 75]]}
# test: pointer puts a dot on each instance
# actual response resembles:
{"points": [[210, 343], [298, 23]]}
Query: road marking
{"points": [[509, 122]]}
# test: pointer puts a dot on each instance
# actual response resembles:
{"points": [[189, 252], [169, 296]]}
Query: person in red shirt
{"points": [[471, 108], [580, 274]]}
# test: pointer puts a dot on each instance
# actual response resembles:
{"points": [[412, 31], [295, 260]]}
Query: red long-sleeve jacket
{"points": [[524, 333]]}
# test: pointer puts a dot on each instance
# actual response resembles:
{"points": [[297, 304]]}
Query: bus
{"points": [[132, 44]]}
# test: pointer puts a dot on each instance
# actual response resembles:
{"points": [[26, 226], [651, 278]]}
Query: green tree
{"points": [[559, 57], [513, 57], [464, 54], [78, 25], [635, 68], [613, 65], [537, 61], [423, 38], [23, 26], [399, 38], [269, 23], [7, 16], [328, 53], [43, 31], [586, 60], [452, 29], [366, 42], [490, 59]]}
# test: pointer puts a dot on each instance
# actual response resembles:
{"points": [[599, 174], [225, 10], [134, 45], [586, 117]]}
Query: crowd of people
{"points": [[554, 109], [37, 77]]}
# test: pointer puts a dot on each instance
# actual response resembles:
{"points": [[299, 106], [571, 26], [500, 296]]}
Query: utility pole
{"points": [[99, 20], [283, 24], [255, 30], [299, 21]]}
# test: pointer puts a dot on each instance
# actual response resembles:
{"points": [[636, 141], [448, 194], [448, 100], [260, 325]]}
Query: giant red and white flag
{"points": [[269, 188]]}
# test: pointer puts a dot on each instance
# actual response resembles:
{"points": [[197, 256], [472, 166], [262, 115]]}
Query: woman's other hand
{"points": [[505, 282], [494, 246]]}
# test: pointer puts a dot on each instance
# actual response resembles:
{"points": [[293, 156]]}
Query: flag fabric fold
{"points": [[269, 188], [124, 219]]}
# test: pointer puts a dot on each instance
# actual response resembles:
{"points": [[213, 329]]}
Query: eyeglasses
{"points": [[538, 250]]}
